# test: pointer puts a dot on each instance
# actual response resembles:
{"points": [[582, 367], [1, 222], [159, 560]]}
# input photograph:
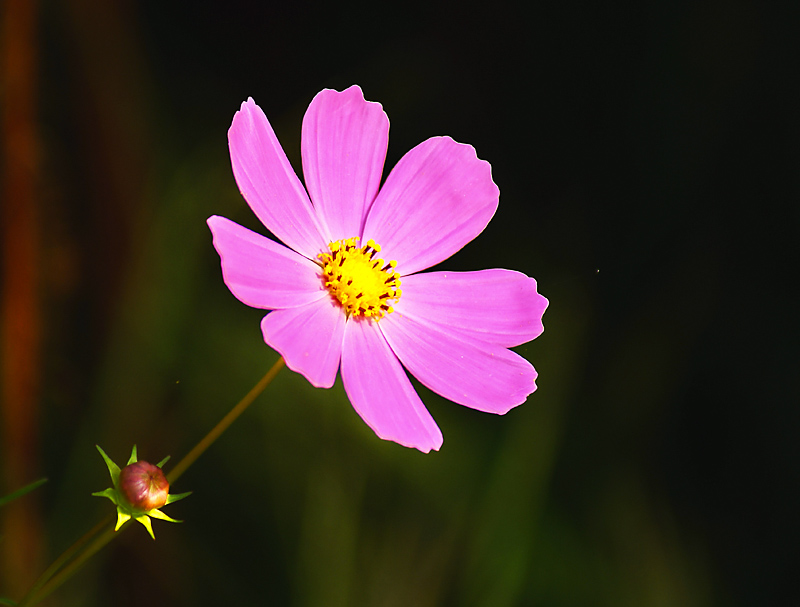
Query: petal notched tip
{"points": [[248, 113], [351, 93]]}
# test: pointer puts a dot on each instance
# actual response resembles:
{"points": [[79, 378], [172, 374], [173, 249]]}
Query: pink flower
{"points": [[346, 289]]}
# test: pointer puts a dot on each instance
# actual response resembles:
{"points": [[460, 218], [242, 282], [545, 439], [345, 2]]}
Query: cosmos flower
{"points": [[139, 490], [346, 290]]}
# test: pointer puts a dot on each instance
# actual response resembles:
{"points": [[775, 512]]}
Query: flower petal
{"points": [[476, 374], [380, 391], [309, 338], [344, 147], [261, 272], [501, 307], [437, 199], [269, 184]]}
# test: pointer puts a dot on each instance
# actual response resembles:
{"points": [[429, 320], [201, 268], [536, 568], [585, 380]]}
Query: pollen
{"points": [[362, 283]]}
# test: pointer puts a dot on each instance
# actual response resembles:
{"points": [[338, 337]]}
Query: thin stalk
{"points": [[68, 571], [223, 424], [65, 556]]}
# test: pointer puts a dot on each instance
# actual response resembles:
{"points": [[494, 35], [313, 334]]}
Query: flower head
{"points": [[144, 486], [346, 292], [139, 490]]}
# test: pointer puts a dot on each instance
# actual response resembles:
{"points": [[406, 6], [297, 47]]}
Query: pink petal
{"points": [[437, 199], [380, 391], [476, 374], [261, 272], [309, 338], [344, 147], [497, 306], [269, 184]]}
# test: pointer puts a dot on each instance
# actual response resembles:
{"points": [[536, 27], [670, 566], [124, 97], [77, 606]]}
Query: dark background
{"points": [[647, 157]]}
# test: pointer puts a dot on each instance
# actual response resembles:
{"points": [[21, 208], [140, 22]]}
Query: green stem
{"points": [[223, 424], [65, 556], [63, 568], [67, 572]]}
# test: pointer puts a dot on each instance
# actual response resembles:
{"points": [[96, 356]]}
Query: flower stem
{"points": [[61, 560], [68, 563], [37, 594], [223, 424]]}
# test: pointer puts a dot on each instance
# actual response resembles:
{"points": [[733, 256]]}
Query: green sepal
{"points": [[113, 469], [110, 494], [132, 459], [122, 518], [171, 498], [144, 519], [163, 461], [156, 513]]}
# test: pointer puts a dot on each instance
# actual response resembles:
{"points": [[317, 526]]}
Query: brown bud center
{"points": [[144, 485]]}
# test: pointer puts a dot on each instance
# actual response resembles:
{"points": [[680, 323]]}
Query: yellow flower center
{"points": [[363, 284]]}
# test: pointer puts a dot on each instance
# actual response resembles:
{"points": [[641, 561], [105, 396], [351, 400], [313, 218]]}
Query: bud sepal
{"points": [[139, 490]]}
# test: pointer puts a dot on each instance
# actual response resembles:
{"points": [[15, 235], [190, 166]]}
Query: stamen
{"points": [[361, 283]]}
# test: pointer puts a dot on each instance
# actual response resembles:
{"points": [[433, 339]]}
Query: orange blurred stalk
{"points": [[20, 549]]}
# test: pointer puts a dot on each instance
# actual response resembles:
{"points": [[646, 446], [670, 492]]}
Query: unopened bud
{"points": [[144, 485]]}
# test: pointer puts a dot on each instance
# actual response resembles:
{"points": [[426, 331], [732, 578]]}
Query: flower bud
{"points": [[144, 486]]}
